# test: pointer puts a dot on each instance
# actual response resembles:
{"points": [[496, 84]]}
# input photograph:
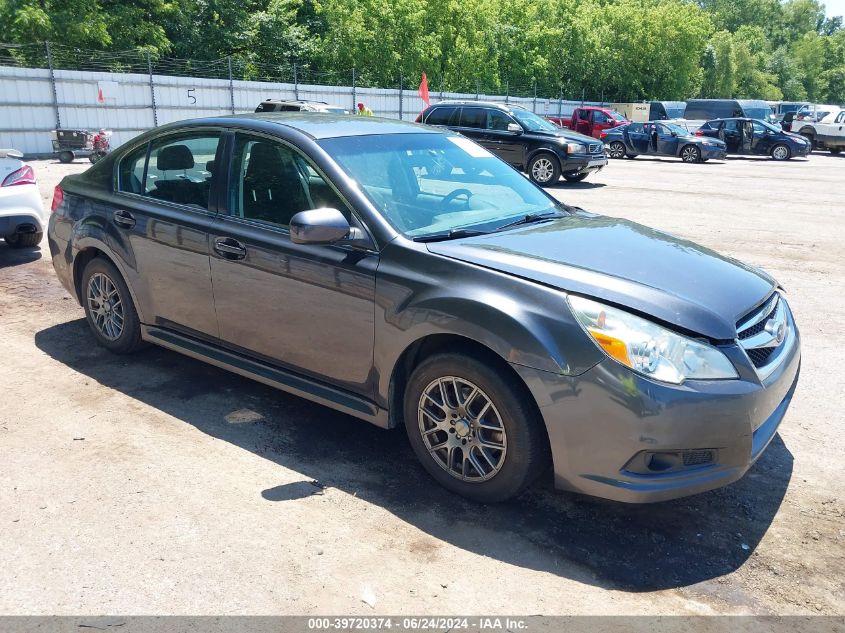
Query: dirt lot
{"points": [[156, 484]]}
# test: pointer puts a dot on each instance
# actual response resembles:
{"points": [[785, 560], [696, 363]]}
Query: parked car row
{"points": [[404, 275]]}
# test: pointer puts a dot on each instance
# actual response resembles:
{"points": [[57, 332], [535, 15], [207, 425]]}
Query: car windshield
{"points": [[758, 113], [677, 129], [768, 126], [675, 111], [533, 122], [431, 184], [616, 116]]}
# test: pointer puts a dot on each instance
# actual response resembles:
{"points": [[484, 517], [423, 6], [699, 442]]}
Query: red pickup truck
{"points": [[590, 120]]}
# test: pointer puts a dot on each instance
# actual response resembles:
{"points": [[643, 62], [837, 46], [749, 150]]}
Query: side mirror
{"points": [[515, 127], [318, 226], [674, 133]]}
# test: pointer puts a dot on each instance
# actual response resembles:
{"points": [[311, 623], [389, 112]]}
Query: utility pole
{"points": [[231, 85], [53, 85], [152, 89]]}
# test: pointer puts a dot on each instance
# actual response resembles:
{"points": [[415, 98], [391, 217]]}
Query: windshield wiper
{"points": [[530, 218], [451, 235]]}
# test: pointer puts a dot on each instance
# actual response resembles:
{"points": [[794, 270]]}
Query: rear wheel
{"points": [[472, 430], [24, 240], [66, 156], [109, 310], [811, 140], [691, 154], [544, 169], [835, 150], [781, 152], [616, 149]]}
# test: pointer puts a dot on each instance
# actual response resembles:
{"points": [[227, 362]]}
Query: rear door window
{"points": [[131, 171], [473, 117], [180, 167]]}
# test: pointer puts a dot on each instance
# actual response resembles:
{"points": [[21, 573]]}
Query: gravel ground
{"points": [[156, 484]]}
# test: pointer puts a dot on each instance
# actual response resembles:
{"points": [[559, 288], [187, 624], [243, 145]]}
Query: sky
{"points": [[834, 7]]}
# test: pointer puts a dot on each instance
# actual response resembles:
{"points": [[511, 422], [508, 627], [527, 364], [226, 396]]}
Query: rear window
{"points": [[441, 116]]}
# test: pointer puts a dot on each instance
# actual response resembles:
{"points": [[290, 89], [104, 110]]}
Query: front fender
{"points": [[523, 322]]}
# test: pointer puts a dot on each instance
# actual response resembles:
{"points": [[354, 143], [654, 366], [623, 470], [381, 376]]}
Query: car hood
{"points": [[568, 135], [624, 263]]}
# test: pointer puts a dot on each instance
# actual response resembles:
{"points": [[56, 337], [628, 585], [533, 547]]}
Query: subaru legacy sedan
{"points": [[404, 275]]}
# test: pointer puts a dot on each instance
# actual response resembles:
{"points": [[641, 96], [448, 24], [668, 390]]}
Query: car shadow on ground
{"points": [[625, 547], [16, 256], [562, 184]]}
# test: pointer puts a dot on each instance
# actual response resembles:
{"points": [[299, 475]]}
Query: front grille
{"points": [[766, 333], [760, 355], [596, 148]]}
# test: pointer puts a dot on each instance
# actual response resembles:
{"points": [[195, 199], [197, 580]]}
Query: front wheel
{"points": [[472, 430], [109, 310], [574, 177], [835, 150], [616, 150], [811, 140], [691, 154], [781, 152], [544, 169], [66, 156]]}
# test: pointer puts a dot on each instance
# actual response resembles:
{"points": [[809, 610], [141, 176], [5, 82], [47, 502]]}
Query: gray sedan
{"points": [[406, 276]]}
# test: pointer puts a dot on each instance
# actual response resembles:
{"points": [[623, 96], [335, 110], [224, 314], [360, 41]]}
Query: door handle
{"points": [[229, 248], [124, 219]]}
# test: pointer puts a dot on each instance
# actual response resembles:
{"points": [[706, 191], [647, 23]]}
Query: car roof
{"points": [[473, 102], [294, 101], [320, 125]]}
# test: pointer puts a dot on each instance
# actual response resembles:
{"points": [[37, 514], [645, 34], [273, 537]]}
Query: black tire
{"points": [[835, 150], [66, 157], [811, 140], [575, 177], [544, 169], [526, 443], [24, 240], [631, 155], [781, 151], [129, 338], [616, 149], [690, 154]]}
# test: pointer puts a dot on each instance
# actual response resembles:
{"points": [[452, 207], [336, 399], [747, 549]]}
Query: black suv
{"points": [[525, 140], [281, 105]]}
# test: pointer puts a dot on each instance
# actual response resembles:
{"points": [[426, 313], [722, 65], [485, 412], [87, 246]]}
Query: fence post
{"points": [[535, 96], [477, 89], [401, 94], [507, 90], [53, 85], [152, 89], [354, 99], [295, 84], [231, 85], [560, 103]]}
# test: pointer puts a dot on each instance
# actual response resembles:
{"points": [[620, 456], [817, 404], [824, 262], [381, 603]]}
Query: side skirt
{"points": [[284, 380]]}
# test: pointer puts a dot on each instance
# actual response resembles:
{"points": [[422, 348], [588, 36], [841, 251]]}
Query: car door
{"points": [[165, 206], [581, 122], [637, 138], [761, 139], [730, 133], [473, 124], [667, 142], [307, 307], [506, 143]]}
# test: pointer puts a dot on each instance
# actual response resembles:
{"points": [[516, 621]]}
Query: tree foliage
{"points": [[611, 49]]}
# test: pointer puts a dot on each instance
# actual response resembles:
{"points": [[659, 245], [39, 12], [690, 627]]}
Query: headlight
{"points": [[647, 348], [576, 148]]}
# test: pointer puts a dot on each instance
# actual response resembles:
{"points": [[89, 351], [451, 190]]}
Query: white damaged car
{"points": [[22, 216]]}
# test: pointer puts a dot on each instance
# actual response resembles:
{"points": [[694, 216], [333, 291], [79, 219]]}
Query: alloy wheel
{"points": [[780, 152], [542, 170], [105, 306], [690, 155], [616, 150], [462, 429]]}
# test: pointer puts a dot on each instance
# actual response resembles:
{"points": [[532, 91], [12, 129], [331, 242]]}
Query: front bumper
{"points": [[712, 152], [605, 423], [583, 163]]}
